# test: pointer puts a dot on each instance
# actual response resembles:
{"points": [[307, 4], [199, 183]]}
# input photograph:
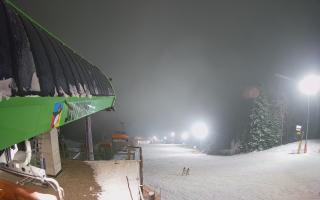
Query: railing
{"points": [[140, 164]]}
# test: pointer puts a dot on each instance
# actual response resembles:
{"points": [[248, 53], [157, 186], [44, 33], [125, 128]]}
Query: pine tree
{"points": [[264, 125], [275, 125]]}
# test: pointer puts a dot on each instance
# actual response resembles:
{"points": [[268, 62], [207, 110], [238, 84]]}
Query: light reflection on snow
{"points": [[272, 174]]}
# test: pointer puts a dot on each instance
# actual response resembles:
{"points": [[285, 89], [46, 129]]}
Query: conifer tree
{"points": [[264, 125]]}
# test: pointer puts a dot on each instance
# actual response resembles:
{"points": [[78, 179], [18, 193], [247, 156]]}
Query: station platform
{"points": [[94, 180]]}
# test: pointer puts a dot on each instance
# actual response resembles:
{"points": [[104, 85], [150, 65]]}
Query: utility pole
{"points": [[308, 121]]}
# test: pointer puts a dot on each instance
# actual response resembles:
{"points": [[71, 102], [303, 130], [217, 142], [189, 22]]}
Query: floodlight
{"points": [[310, 85], [173, 134], [199, 130]]}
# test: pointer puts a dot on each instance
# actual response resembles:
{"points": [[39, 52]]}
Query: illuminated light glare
{"points": [[173, 134], [199, 130], [165, 137], [184, 136], [155, 137], [310, 85]]}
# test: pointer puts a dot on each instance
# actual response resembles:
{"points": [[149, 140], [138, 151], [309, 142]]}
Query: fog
{"points": [[175, 62]]}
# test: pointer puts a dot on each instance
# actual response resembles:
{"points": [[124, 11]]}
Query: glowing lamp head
{"points": [[165, 138], [310, 85], [173, 134], [199, 130]]}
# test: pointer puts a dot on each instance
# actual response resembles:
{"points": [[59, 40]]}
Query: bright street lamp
{"points": [[310, 86], [199, 130], [173, 134]]}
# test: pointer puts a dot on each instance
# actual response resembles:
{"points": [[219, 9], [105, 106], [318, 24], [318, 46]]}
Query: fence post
{"points": [[141, 168]]}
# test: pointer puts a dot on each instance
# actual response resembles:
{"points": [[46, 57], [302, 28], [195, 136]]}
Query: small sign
{"points": [[56, 115]]}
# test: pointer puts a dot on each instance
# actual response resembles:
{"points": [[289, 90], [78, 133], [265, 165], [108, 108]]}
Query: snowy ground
{"points": [[274, 174], [111, 176]]}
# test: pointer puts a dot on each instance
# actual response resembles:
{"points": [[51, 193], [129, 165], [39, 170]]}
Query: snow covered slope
{"points": [[274, 174]]}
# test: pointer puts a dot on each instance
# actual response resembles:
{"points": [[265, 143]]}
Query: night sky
{"points": [[175, 62]]}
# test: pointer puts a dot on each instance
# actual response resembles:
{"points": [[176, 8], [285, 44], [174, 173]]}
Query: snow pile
{"points": [[5, 87], [277, 173]]}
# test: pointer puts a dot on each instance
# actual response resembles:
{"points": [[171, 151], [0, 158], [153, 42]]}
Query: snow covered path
{"points": [[111, 176], [269, 175]]}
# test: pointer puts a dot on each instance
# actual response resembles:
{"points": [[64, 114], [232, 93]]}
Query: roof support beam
{"points": [[89, 143]]}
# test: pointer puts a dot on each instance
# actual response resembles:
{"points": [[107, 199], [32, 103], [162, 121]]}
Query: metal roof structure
{"points": [[43, 83]]}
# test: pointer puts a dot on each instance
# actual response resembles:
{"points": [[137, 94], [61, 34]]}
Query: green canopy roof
{"points": [[43, 83]]}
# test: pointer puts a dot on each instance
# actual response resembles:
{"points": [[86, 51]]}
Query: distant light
{"points": [[165, 138], [173, 134], [298, 127], [184, 136], [155, 138], [199, 130], [310, 85]]}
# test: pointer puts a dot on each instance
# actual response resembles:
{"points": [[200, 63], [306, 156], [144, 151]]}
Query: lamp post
{"points": [[307, 131], [310, 86]]}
